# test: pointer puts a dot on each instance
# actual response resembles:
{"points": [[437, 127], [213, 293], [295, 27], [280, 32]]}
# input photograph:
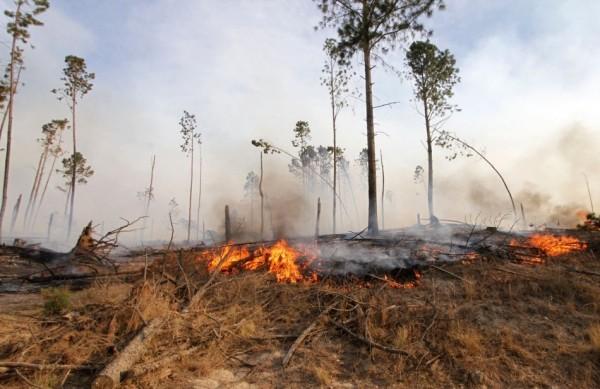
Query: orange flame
{"points": [[287, 263], [553, 245]]}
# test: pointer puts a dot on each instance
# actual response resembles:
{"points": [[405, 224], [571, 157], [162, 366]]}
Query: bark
{"points": [[262, 200], [373, 228], [74, 173], [10, 123], [15, 213]]}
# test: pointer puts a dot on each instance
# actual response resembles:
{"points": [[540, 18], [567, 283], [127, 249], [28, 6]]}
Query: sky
{"points": [[529, 93]]}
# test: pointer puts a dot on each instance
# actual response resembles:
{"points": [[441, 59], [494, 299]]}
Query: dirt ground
{"points": [[484, 323]]}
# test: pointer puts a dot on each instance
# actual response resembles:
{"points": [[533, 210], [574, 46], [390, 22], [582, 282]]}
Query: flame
{"points": [[549, 245], [287, 263], [553, 245]]}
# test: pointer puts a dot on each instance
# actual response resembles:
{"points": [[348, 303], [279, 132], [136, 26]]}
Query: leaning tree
{"points": [[24, 16], [373, 27], [434, 75], [77, 82]]}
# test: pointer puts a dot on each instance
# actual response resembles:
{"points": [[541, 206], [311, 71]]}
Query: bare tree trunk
{"points": [[373, 228], [199, 190], [15, 213], [382, 191], [10, 122], [33, 187], [6, 110], [587, 184], [37, 188], [333, 123], [227, 225], [39, 205], [74, 168], [262, 200], [432, 218], [191, 189], [318, 218], [523, 216], [68, 200]]}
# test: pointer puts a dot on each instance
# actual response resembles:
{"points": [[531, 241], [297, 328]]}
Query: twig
{"points": [[452, 274], [26, 380], [369, 342], [574, 270]]}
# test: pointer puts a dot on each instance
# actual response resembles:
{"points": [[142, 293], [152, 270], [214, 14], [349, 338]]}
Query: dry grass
{"points": [[507, 325]]}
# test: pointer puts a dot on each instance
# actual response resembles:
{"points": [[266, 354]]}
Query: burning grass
{"points": [[485, 321]]}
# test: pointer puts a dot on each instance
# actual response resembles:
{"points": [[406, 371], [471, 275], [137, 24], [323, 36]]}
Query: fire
{"points": [[549, 245], [287, 263], [553, 245]]}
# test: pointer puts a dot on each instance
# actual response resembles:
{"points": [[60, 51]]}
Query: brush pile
{"points": [[490, 319]]}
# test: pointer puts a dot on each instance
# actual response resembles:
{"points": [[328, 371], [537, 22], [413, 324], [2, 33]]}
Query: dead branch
{"points": [[304, 334], [37, 366], [369, 342]]}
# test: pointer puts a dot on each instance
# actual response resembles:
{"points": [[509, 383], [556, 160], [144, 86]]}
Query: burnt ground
{"points": [[488, 321]]}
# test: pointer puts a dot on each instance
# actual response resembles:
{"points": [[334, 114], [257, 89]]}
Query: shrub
{"points": [[56, 300]]}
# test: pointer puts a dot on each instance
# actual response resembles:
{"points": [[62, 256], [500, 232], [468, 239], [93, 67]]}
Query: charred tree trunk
{"points": [[227, 225], [318, 218], [373, 228], [382, 191], [50, 221], [15, 213]]}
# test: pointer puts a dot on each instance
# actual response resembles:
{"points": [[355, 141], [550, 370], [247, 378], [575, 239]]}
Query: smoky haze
{"points": [[250, 70]]}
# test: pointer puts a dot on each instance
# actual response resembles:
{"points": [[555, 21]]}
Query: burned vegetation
{"points": [[454, 305]]}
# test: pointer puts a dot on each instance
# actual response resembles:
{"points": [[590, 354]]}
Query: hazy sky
{"points": [[250, 69]]}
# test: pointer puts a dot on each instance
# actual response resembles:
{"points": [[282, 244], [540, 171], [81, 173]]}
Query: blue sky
{"points": [[251, 69]]}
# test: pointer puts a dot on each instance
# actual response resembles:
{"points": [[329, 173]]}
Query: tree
{"points": [[77, 83], [335, 79], [302, 165], [23, 17], [56, 150], [199, 139], [434, 74], [75, 166], [367, 26], [189, 136]]}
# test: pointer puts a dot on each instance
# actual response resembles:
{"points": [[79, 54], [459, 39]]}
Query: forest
{"points": [[360, 216]]}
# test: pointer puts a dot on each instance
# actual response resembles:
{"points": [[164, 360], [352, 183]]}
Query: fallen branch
{"points": [[37, 366], [452, 274], [304, 334], [369, 342]]}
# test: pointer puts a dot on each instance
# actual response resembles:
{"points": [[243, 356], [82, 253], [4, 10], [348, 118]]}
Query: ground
{"points": [[483, 322]]}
